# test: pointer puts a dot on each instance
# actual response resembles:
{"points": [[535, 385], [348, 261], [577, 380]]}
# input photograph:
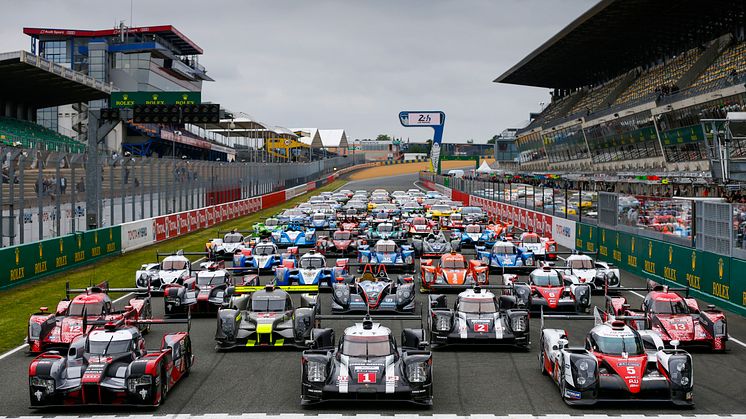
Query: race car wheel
{"points": [[164, 385], [542, 359], [147, 314]]}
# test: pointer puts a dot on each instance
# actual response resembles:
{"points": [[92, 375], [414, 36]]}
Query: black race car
{"points": [[374, 292], [367, 364]]}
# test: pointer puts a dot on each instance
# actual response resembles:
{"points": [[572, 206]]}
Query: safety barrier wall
{"points": [[22, 263], [25, 262], [717, 279]]}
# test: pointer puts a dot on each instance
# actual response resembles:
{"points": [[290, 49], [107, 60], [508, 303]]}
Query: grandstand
{"points": [[631, 82]]}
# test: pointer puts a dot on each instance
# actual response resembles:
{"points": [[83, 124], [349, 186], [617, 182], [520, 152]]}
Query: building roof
{"points": [[29, 79], [185, 45], [334, 138], [615, 36], [308, 136]]}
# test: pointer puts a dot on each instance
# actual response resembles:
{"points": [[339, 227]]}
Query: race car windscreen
{"points": [[617, 345], [546, 279], [92, 308], [210, 278], [265, 304], [581, 264], [530, 238], [453, 263], [474, 228], [264, 250], [173, 265], [271, 222], [319, 217], [232, 238], [385, 248], [503, 248], [471, 210], [477, 306], [385, 228], [670, 307], [440, 208], [419, 222], [311, 263], [342, 235], [367, 346], [109, 346]]}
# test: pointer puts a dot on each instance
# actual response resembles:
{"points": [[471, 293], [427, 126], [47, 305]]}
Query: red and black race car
{"points": [[675, 318], [110, 365], [341, 243], [58, 329], [420, 226], [548, 289], [452, 272], [205, 291]]}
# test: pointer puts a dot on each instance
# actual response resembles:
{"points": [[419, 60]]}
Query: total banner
{"points": [[563, 232], [137, 234]]}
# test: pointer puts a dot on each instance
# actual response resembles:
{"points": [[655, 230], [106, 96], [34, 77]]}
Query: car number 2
{"points": [[481, 327]]}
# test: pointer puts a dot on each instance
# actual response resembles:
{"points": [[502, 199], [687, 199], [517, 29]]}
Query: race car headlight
{"points": [[142, 280], [316, 371], [482, 277], [552, 248], [680, 370], [530, 260], [518, 324], [34, 330], [428, 277], [404, 293], [469, 280], [134, 383], [417, 372], [611, 278], [583, 371], [364, 258], [341, 294], [409, 259], [719, 328], [440, 280], [45, 383], [442, 323]]}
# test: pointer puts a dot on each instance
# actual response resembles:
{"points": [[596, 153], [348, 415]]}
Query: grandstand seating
{"points": [[661, 76], [31, 135], [592, 100], [731, 61]]}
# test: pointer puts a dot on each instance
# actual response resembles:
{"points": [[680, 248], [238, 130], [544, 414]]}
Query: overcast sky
{"points": [[342, 63]]}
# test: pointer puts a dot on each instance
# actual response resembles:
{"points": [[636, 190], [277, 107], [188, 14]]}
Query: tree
{"points": [[383, 137], [493, 139]]}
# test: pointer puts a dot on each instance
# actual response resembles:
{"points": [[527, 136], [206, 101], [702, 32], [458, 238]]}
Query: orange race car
{"points": [[452, 272]]}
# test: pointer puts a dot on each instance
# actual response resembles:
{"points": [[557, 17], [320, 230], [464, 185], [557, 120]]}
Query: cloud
{"points": [[343, 64]]}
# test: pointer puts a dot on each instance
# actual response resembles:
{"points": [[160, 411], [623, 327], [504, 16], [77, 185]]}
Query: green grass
{"points": [[19, 303]]}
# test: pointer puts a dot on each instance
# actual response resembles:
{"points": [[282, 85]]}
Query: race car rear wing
{"points": [[664, 288], [443, 289], [234, 231], [115, 324], [103, 287], [599, 317], [160, 255], [248, 289]]}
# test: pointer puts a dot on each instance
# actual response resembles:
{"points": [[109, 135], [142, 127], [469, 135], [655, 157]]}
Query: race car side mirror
{"points": [[675, 343], [229, 291], [562, 343], [43, 309], [625, 306]]}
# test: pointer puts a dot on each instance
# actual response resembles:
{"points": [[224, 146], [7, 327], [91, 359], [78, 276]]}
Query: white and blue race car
{"points": [[263, 257], [389, 254], [311, 269], [506, 256], [295, 234]]}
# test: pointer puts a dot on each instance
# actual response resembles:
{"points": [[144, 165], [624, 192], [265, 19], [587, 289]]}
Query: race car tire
{"points": [[147, 314], [164, 385], [542, 359]]}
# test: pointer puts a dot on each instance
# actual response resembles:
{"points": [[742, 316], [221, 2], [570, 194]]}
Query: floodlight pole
{"points": [[97, 131]]}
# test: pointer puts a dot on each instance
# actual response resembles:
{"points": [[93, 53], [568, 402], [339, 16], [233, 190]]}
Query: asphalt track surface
{"points": [[466, 380]]}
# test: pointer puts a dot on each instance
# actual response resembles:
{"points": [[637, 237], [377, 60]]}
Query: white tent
{"points": [[484, 168]]}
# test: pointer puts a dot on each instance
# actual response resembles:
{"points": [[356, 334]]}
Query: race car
{"points": [[342, 242], [675, 318], [223, 249], [374, 292], [367, 364], [618, 363], [110, 366], [547, 290], [420, 226], [387, 252], [478, 317], [542, 247], [454, 221], [473, 215], [264, 256], [505, 256], [501, 229], [582, 269], [434, 245], [295, 234], [310, 270], [265, 316], [352, 223], [475, 235], [385, 231], [452, 272], [204, 292], [173, 269], [292, 216], [59, 329], [439, 211], [264, 229], [321, 221]]}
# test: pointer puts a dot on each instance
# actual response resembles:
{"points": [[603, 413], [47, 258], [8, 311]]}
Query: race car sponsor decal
{"points": [[366, 377], [571, 394], [481, 327], [630, 370]]}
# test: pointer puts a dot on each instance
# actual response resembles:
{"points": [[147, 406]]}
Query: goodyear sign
{"points": [[30, 261], [130, 99], [712, 275]]}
